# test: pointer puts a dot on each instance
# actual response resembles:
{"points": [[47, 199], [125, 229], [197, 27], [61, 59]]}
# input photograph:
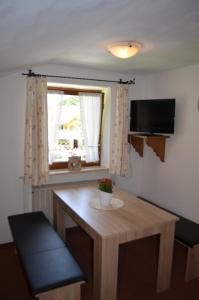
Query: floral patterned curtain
{"points": [[119, 157], [36, 132]]}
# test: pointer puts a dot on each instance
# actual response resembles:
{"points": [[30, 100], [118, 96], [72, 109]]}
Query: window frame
{"points": [[76, 91]]}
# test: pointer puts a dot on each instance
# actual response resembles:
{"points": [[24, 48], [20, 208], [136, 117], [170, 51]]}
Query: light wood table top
{"points": [[109, 228]]}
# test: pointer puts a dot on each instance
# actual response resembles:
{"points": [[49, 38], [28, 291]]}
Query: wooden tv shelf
{"points": [[156, 142]]}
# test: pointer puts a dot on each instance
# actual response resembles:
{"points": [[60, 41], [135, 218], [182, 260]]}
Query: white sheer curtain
{"points": [[36, 132], [119, 156], [55, 101], [90, 110]]}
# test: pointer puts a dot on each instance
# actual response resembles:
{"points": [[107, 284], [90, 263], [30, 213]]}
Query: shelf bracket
{"points": [[156, 142], [137, 143]]}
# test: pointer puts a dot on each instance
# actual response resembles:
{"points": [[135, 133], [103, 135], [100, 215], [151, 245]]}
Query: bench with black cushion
{"points": [[50, 268], [187, 233]]}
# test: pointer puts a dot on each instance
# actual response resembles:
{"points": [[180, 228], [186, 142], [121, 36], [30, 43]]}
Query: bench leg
{"points": [[192, 263], [69, 292]]}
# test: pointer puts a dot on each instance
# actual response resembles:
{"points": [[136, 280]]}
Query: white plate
{"points": [[115, 204]]}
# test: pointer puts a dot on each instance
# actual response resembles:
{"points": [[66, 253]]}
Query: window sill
{"points": [[82, 170]]}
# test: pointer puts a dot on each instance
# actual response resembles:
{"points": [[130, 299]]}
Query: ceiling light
{"points": [[124, 49]]}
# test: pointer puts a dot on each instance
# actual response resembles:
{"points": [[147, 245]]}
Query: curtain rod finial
{"points": [[30, 73], [132, 81], [127, 82]]}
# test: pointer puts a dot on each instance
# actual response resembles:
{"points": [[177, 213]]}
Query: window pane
{"points": [[64, 127]]}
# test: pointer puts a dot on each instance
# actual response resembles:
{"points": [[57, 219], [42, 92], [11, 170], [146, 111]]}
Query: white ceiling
{"points": [[76, 32]]}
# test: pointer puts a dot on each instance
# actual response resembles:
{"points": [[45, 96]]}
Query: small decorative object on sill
{"points": [[105, 191], [74, 163]]}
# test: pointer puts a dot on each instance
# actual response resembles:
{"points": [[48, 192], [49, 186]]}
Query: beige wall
{"points": [[174, 183]]}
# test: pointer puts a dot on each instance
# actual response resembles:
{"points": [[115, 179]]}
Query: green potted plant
{"points": [[105, 187]]}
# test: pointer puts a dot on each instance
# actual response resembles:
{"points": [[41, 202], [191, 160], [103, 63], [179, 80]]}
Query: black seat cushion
{"points": [[51, 269], [45, 258], [32, 233], [186, 231]]}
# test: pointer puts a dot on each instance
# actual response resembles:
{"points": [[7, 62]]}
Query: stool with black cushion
{"points": [[51, 270], [187, 233]]}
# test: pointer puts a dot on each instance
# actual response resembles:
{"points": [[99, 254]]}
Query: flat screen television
{"points": [[152, 116]]}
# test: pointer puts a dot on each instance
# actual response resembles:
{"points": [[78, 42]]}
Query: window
{"points": [[74, 126]]}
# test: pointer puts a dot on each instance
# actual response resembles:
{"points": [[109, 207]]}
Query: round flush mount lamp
{"points": [[124, 49]]}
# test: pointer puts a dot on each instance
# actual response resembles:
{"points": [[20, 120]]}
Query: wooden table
{"points": [[135, 220]]}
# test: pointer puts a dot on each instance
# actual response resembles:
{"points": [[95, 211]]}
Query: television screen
{"points": [[152, 116]]}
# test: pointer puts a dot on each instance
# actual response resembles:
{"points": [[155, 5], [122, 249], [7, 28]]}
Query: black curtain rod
{"points": [[32, 74]]}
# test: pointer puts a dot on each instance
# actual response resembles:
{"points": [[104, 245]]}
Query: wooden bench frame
{"points": [[67, 291], [192, 263], [192, 256]]}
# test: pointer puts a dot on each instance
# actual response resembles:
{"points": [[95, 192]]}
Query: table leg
{"points": [[59, 218], [165, 257], [105, 269], [55, 204]]}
